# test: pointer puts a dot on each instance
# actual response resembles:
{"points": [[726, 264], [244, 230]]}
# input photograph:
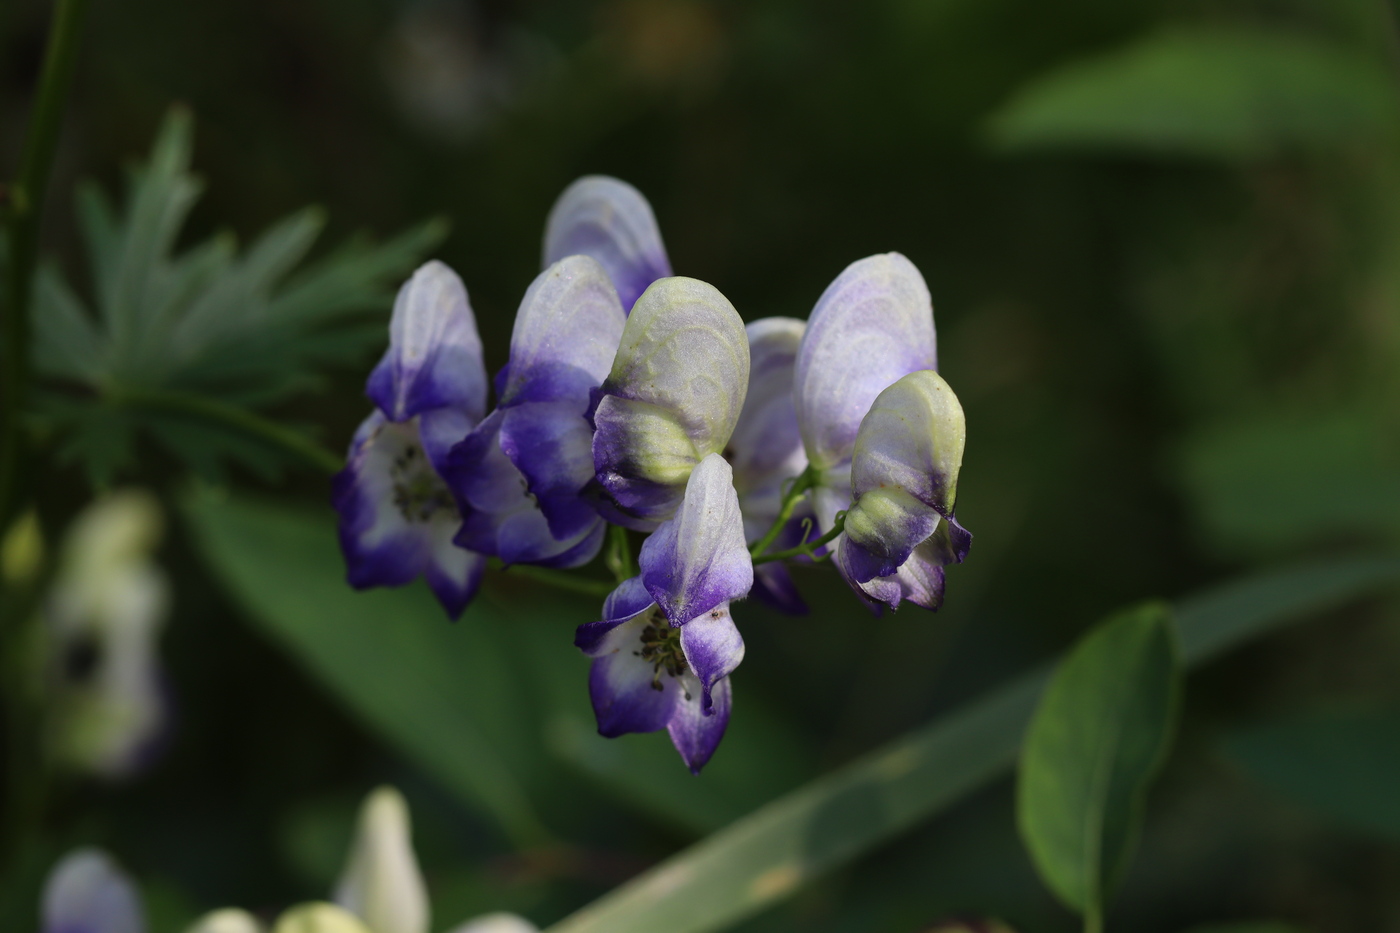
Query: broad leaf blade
{"points": [[1214, 94], [440, 692], [1098, 737], [786, 844]]}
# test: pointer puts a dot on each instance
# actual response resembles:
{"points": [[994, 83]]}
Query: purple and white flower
{"points": [[520, 476], [900, 530], [610, 221], [666, 645], [397, 516], [672, 398], [766, 451], [871, 327]]}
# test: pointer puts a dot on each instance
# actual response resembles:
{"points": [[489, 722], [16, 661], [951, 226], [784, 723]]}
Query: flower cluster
{"points": [[639, 400]]}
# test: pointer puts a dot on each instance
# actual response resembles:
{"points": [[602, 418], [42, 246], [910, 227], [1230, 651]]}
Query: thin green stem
{"points": [[23, 203], [806, 548], [240, 419], [561, 580], [800, 484], [619, 554]]}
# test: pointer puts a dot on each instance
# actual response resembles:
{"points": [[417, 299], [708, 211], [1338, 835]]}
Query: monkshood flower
{"points": [[107, 705], [672, 397], [872, 326], [666, 645], [520, 476], [381, 883], [900, 531], [766, 451], [610, 221], [397, 516], [87, 893]]}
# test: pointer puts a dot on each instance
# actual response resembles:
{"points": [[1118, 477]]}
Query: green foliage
{"points": [[1218, 93], [1345, 764], [179, 337], [442, 694], [773, 852], [491, 706], [1098, 738], [1283, 481]]}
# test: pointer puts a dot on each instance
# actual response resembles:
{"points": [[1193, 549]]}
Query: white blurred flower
{"points": [[319, 918], [228, 920], [497, 923], [108, 602], [87, 893], [381, 883]]}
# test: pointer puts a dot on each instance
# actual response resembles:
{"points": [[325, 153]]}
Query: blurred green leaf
{"points": [[1220, 93], [1345, 764], [1284, 480], [247, 330], [1098, 738], [774, 851], [1248, 926], [443, 694]]}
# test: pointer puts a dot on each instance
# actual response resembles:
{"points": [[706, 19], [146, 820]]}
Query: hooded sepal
{"points": [[904, 477], [566, 334], [673, 396], [609, 220], [871, 326], [434, 357]]}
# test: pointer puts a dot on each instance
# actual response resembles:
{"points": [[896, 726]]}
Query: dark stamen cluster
{"points": [[661, 646], [418, 492]]}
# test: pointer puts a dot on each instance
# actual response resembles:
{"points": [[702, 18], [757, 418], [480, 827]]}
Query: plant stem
{"points": [[270, 432], [561, 580], [806, 548], [619, 555], [23, 204], [805, 481]]}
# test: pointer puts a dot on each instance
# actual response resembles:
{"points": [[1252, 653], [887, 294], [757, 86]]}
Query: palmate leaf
{"points": [[168, 331], [1210, 93]]}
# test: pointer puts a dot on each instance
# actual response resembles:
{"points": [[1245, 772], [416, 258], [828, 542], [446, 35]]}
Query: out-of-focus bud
{"points": [[101, 621], [87, 893], [497, 923], [22, 550], [381, 883], [969, 926], [228, 920], [319, 918]]}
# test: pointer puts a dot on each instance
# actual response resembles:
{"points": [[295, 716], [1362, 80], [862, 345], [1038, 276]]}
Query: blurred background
{"points": [[1163, 241]]}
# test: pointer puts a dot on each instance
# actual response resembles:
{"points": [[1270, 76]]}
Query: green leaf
{"points": [[789, 842], [1099, 736], [1345, 764], [1223, 93], [205, 324], [442, 693]]}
